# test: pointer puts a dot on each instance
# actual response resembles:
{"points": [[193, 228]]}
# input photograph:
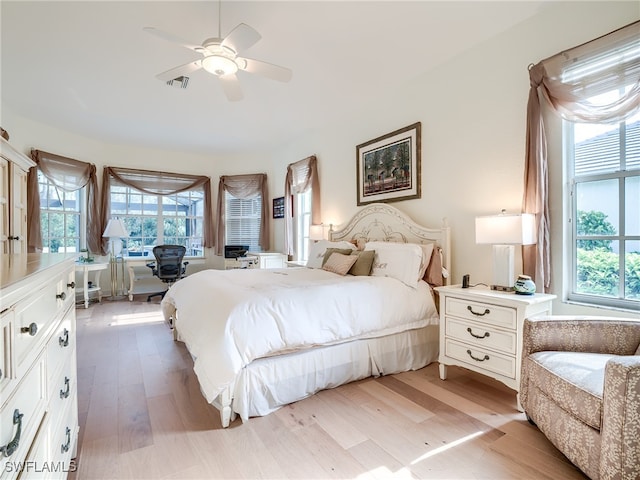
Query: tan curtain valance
{"points": [[569, 81], [157, 183], [301, 176], [69, 175], [243, 187]]}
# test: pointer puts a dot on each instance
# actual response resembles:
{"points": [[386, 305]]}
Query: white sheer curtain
{"points": [[568, 81]]}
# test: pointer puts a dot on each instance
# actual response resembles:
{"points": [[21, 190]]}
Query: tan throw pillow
{"points": [[327, 254], [339, 263], [364, 262]]}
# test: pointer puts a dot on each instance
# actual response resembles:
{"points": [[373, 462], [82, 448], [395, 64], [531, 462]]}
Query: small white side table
{"points": [[85, 268]]}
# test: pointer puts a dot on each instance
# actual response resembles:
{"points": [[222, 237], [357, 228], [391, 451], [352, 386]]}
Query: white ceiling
{"points": [[88, 67]]}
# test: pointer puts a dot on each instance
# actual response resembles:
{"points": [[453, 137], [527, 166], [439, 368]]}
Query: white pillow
{"points": [[402, 261], [427, 251], [318, 249]]}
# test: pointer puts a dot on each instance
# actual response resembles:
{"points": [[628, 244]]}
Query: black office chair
{"points": [[168, 266]]}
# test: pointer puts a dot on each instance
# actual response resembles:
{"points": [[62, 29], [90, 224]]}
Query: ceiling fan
{"points": [[220, 57]]}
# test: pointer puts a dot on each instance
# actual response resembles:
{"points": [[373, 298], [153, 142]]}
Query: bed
{"points": [[261, 339]]}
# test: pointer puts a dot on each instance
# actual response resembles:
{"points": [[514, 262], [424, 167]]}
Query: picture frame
{"points": [[388, 168], [278, 207]]}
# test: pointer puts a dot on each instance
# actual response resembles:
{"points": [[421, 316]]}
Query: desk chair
{"points": [[168, 266]]}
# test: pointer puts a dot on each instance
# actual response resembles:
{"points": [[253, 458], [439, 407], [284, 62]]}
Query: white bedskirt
{"points": [[269, 383]]}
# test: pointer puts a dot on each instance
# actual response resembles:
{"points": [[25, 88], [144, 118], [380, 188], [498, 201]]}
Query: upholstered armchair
{"points": [[580, 385]]}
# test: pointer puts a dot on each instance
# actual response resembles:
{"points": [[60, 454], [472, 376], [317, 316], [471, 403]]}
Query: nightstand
{"points": [[481, 329]]}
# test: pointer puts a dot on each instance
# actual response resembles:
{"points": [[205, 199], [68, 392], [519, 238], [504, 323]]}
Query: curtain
{"points": [[156, 183], [243, 187], [69, 175], [567, 81], [301, 176]]}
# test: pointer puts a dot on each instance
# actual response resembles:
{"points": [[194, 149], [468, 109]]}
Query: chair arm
{"points": [[595, 334], [620, 454]]}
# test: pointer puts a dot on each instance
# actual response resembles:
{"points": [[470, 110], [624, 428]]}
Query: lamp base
{"points": [[501, 288]]}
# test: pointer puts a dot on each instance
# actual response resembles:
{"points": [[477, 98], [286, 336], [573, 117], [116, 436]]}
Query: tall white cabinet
{"points": [[38, 375], [14, 166]]}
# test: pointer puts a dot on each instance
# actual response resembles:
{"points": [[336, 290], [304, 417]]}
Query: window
{"points": [[62, 217], [302, 213], [151, 219], [243, 220], [604, 200]]}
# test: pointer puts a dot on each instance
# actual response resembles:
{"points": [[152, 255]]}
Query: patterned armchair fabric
{"points": [[580, 385]]}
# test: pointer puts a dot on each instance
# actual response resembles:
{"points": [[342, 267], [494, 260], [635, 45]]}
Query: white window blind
{"points": [[243, 221]]}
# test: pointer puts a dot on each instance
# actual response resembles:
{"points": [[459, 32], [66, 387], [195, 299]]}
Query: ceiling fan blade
{"points": [[173, 39], [241, 38], [179, 71], [231, 86], [265, 69]]}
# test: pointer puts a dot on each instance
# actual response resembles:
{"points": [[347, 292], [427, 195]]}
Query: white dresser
{"points": [[481, 329], [38, 380]]}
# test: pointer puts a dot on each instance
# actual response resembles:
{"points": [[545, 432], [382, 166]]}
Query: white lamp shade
{"points": [[506, 229], [316, 232], [115, 229]]}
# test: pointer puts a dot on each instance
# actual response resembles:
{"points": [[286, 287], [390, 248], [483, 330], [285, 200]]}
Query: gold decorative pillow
{"points": [[363, 263], [327, 254], [339, 263]]}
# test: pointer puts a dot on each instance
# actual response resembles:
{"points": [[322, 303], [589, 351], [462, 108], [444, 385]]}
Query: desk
{"points": [[85, 268], [144, 281]]}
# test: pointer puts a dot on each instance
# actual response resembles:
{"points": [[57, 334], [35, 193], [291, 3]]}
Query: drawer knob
{"points": [[71, 285], [31, 329], [486, 334], [63, 340], [61, 296], [65, 393], [479, 314], [486, 357], [65, 446], [11, 237], [13, 445]]}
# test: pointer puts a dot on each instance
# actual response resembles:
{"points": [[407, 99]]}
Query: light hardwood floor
{"points": [[142, 416]]}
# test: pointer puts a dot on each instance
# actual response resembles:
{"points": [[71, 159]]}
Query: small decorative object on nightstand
{"points": [[524, 285], [481, 329]]}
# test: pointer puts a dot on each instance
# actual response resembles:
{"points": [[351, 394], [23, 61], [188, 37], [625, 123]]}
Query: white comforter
{"points": [[227, 319]]}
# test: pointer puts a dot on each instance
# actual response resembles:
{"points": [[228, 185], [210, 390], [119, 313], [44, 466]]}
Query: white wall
{"points": [[472, 111]]}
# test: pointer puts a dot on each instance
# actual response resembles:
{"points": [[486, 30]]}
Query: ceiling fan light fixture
{"points": [[219, 65]]}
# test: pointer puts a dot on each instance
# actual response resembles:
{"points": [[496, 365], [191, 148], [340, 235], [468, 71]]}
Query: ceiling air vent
{"points": [[180, 82]]}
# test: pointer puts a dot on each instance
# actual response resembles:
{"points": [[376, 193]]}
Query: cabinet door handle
{"points": [[61, 296], [479, 314], [13, 445], [65, 393], [63, 340], [486, 334], [486, 357], [32, 329], [65, 446], [71, 285], [11, 237]]}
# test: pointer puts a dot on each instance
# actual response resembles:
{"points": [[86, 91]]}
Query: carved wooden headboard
{"points": [[383, 223]]}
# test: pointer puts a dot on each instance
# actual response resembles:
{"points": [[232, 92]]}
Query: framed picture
{"points": [[388, 167], [278, 207]]}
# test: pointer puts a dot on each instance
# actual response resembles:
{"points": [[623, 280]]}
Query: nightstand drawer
{"points": [[481, 358], [481, 335], [482, 312]]}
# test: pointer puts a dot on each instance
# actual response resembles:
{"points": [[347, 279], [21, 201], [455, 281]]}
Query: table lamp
{"points": [[316, 232], [503, 231], [115, 231]]}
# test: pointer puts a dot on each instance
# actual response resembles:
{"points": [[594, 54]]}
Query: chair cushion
{"points": [[573, 380]]}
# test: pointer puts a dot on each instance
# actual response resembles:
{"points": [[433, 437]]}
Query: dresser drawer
{"points": [[64, 439], [482, 312], [34, 317], [474, 333], [25, 410], [481, 358], [62, 390], [61, 345]]}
